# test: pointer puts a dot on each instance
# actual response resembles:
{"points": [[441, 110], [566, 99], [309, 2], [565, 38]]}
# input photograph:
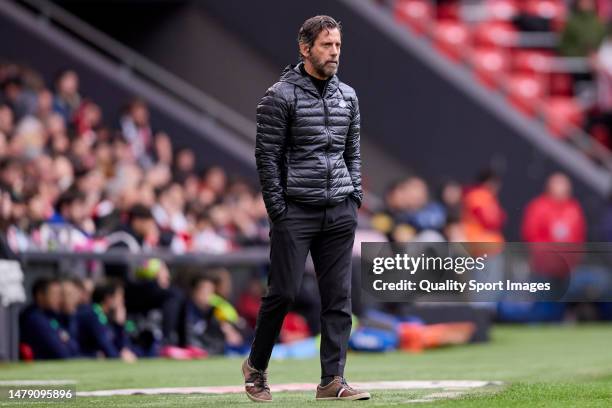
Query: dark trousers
{"points": [[328, 233]]}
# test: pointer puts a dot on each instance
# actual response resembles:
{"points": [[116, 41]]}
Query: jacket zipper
{"points": [[329, 141]]}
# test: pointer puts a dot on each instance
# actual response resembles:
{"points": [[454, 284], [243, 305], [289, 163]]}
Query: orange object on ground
{"points": [[416, 337]]}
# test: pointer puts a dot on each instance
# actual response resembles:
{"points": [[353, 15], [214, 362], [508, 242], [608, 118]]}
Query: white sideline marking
{"points": [[437, 395], [38, 382], [234, 389]]}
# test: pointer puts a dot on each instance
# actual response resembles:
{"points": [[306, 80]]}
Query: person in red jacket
{"points": [[554, 217], [483, 217]]}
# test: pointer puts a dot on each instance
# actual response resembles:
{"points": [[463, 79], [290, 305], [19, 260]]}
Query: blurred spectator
{"points": [[86, 288], [22, 100], [604, 9], [185, 164], [6, 209], [451, 196], [581, 37], [215, 180], [583, 31], [454, 231], [162, 149], [62, 172], [153, 304], [29, 138], [137, 131], [250, 300], [101, 324], [44, 108], [409, 211], [606, 222], [40, 329], [200, 326], [385, 221], [482, 215], [249, 216], [58, 142], [222, 219], [191, 187], [168, 211], [417, 209], [7, 119], [70, 227], [225, 311], [554, 216], [138, 234], [71, 301], [87, 119], [602, 65], [205, 237], [527, 21], [140, 231], [67, 98]]}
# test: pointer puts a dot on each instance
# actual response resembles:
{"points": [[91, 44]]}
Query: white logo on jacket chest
{"points": [[342, 103]]}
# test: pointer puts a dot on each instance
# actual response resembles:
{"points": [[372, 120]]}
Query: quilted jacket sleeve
{"points": [[352, 154], [270, 145]]}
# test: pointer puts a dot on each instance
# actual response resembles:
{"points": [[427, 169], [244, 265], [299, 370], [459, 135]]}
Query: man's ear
{"points": [[304, 49]]}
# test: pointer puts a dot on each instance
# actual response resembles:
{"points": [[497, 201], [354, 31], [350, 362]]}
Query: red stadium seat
{"points": [[452, 39], [490, 65], [601, 134], [562, 114], [561, 84], [531, 61], [525, 91], [416, 14], [501, 10], [495, 33], [448, 11]]}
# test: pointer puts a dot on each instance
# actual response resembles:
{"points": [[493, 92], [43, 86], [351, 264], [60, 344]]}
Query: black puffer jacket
{"points": [[307, 147]]}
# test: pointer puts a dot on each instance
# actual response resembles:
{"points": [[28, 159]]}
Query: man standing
{"points": [[309, 165]]}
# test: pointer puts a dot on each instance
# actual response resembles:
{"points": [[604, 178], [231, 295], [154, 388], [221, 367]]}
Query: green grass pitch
{"points": [[541, 366]]}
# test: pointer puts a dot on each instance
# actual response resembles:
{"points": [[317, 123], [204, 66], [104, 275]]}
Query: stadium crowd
{"points": [[74, 183], [70, 181]]}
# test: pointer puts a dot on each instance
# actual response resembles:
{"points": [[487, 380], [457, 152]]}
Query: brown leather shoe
{"points": [[338, 389], [256, 383]]}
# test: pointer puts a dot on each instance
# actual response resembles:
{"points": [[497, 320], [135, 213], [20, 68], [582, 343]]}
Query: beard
{"points": [[323, 68]]}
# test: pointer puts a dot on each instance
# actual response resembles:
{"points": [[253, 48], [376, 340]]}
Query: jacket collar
{"points": [[293, 75]]}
